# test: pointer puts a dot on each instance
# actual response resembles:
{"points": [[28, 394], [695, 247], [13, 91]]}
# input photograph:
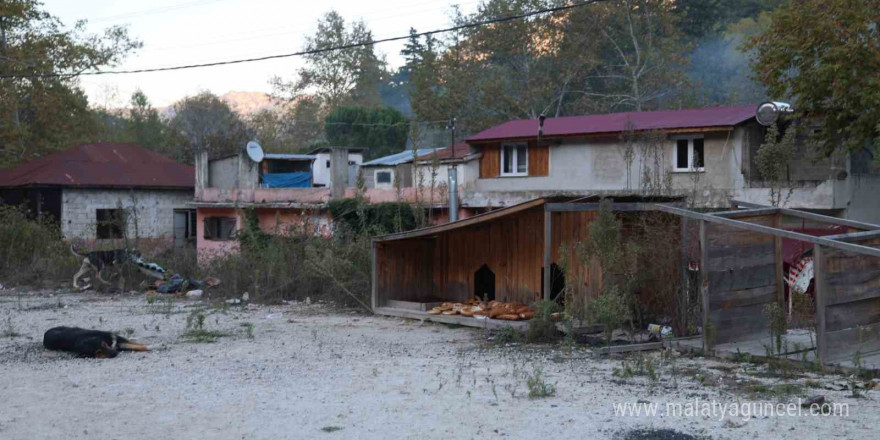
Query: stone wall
{"points": [[154, 210]]}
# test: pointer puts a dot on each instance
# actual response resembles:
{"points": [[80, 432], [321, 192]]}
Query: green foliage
{"points": [[775, 315], [507, 335], [823, 54], [382, 130], [32, 251], [542, 328], [251, 237], [774, 157], [41, 115], [538, 387], [620, 271], [372, 219], [205, 122], [349, 76]]}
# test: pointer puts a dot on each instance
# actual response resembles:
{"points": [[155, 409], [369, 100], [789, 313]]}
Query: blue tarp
{"points": [[301, 179]]}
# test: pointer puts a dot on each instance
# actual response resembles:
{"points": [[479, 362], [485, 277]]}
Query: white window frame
{"points": [[514, 147], [383, 185], [690, 160]]}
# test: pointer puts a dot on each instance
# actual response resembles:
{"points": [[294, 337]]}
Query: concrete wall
{"points": [[321, 172], [154, 210], [597, 165], [402, 172], [223, 173], [272, 220]]}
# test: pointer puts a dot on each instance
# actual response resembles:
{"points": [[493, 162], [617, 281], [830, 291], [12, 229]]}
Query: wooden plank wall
{"points": [[740, 279], [511, 246], [490, 163], [848, 296], [569, 228], [539, 160], [404, 270]]}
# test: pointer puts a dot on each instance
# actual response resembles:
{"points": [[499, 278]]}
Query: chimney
{"points": [[452, 171], [541, 126], [338, 171]]}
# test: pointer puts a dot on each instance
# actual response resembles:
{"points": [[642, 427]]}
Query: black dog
{"points": [[88, 343], [98, 260]]}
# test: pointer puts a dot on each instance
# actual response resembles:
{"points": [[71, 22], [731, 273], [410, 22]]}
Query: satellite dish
{"points": [[768, 113], [254, 151]]}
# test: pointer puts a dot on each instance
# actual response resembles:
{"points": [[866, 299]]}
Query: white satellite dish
{"points": [[768, 112], [254, 151]]}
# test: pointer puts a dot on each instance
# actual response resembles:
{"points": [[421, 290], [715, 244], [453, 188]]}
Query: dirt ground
{"points": [[306, 371]]}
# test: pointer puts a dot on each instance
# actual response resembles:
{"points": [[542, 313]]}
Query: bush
{"points": [[542, 328], [355, 215], [32, 250]]}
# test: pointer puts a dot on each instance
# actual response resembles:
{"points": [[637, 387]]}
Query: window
{"points": [[514, 160], [184, 226], [219, 228], [109, 223], [383, 178], [689, 154], [328, 164]]}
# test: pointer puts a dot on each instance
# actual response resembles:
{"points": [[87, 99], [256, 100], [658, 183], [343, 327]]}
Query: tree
{"points": [[205, 122], [824, 55], [342, 77], [42, 114], [145, 128], [774, 157], [382, 130]]}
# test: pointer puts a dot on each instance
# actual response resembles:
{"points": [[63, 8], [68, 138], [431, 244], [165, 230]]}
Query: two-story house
{"points": [[707, 154]]}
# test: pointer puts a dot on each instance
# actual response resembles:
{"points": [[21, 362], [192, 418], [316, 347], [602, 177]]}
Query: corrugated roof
{"points": [[617, 123], [398, 158], [101, 165], [278, 156], [458, 151]]}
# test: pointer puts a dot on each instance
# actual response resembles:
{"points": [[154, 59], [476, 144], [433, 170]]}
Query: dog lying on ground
{"points": [[98, 260], [89, 343]]}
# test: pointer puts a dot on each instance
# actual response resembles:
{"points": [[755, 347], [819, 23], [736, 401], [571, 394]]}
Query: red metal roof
{"points": [[617, 123], [458, 151], [101, 165]]}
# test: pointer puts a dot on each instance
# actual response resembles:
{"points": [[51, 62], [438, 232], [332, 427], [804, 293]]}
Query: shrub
{"points": [[542, 328], [32, 250], [355, 215]]}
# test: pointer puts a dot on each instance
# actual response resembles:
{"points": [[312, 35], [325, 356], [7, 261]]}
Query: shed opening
{"points": [[484, 283]]}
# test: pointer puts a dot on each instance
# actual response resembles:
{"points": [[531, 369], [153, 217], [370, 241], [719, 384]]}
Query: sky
{"points": [[177, 32]]}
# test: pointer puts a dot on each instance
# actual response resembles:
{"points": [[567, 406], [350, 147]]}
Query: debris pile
{"points": [[508, 311]]}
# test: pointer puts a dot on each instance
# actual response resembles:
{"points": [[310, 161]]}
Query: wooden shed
{"points": [[510, 255]]}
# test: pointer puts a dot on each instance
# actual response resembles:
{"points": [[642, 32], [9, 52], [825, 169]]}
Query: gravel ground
{"points": [[307, 371]]}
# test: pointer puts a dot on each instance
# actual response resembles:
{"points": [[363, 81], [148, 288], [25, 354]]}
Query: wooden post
{"points": [[820, 291], [548, 240], [704, 285], [374, 278], [684, 296], [777, 247]]}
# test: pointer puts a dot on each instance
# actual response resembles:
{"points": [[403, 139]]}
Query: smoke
{"points": [[721, 75]]}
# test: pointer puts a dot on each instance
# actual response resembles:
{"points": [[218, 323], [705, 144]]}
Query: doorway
{"points": [[484, 283]]}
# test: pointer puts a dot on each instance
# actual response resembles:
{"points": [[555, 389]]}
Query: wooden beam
{"points": [[820, 292], [746, 212], [777, 253], [849, 247], [548, 251], [684, 296], [579, 207], [811, 216], [854, 236], [470, 221], [747, 204], [704, 285], [829, 219], [374, 280]]}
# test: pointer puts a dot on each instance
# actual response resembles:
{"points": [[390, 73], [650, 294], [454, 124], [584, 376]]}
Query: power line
{"points": [[313, 51]]}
